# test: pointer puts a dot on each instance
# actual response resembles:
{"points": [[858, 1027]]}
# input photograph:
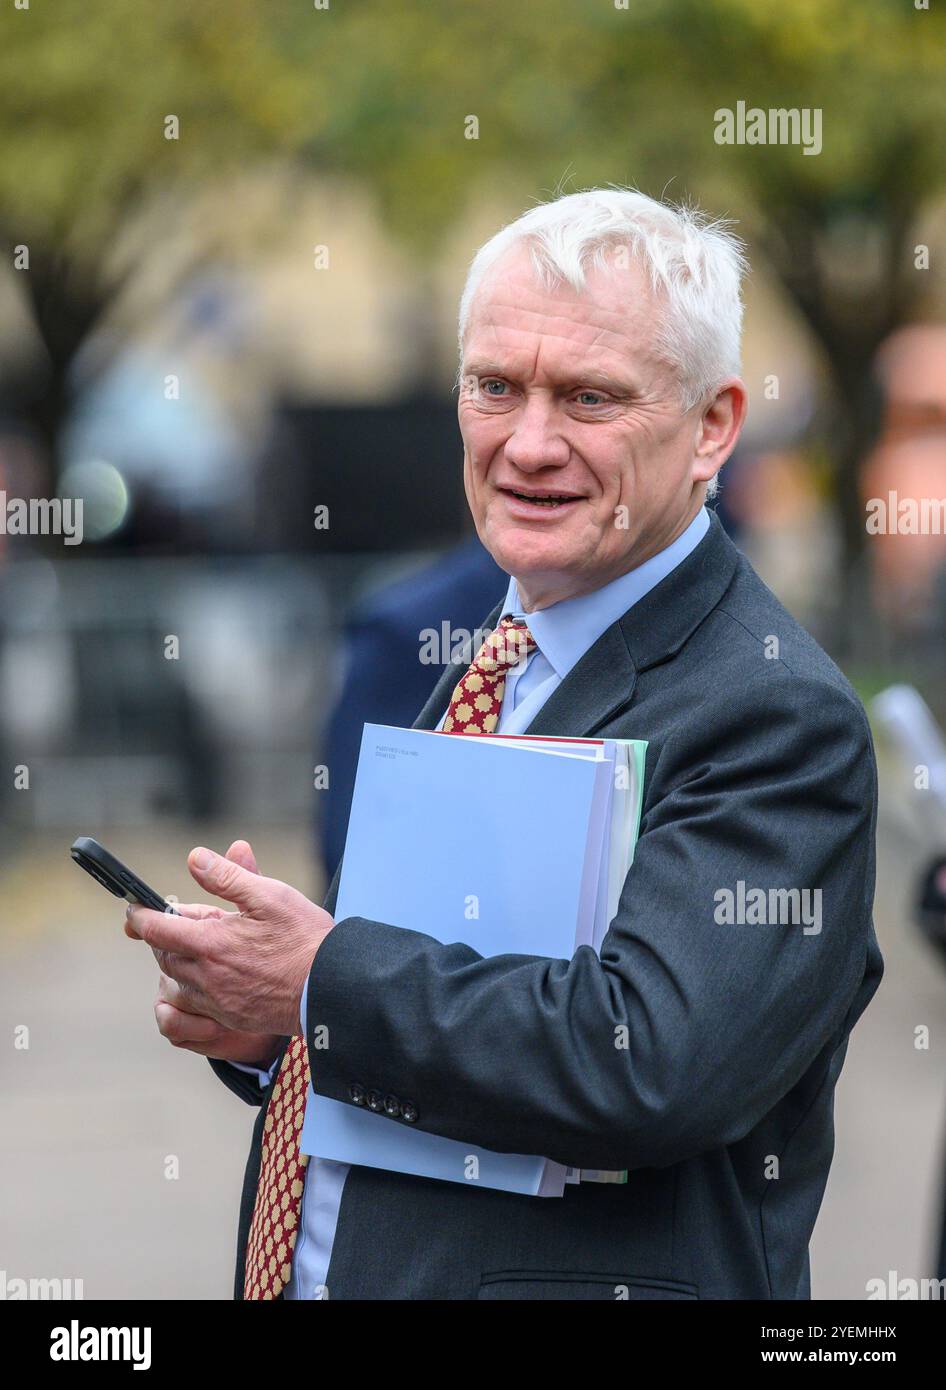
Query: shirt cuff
{"points": [[263, 1077]]}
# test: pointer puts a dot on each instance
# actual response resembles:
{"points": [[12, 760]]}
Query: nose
{"points": [[536, 442]]}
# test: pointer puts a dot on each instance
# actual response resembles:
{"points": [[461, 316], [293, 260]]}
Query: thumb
{"points": [[241, 852], [227, 880]]}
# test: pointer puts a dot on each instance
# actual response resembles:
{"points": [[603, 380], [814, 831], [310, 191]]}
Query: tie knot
{"points": [[511, 643], [478, 696]]}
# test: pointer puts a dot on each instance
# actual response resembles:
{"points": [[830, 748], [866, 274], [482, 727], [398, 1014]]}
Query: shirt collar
{"points": [[566, 630]]}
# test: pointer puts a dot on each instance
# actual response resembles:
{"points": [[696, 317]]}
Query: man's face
{"points": [[563, 396]]}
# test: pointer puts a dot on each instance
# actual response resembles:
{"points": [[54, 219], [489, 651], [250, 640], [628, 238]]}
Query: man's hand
{"points": [[197, 1033], [244, 970]]}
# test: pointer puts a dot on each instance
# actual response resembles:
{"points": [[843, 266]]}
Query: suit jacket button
{"points": [[357, 1093], [409, 1112], [375, 1101], [392, 1106]]}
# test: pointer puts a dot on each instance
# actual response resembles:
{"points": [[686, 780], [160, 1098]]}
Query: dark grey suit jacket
{"points": [[760, 770]]}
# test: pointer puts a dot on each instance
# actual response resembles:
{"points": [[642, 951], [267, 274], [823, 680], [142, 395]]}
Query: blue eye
{"points": [[487, 386], [582, 396]]}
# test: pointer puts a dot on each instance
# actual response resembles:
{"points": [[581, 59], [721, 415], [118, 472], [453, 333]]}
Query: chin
{"points": [[522, 553]]}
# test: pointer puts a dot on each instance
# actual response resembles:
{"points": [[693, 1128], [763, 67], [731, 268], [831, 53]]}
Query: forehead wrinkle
{"points": [[605, 345], [572, 312], [519, 303], [516, 274], [497, 316]]}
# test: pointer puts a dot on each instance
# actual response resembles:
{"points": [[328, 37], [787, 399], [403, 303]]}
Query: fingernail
{"points": [[202, 858]]}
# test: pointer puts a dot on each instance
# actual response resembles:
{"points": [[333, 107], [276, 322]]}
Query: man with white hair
{"points": [[599, 396]]}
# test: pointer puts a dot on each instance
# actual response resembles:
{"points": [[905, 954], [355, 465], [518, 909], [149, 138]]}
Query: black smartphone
{"points": [[115, 876]]}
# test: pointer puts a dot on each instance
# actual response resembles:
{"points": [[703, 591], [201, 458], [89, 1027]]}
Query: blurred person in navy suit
{"points": [[384, 680]]}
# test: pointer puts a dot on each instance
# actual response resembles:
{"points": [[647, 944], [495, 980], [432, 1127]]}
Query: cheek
{"points": [[477, 455], [483, 438], [613, 468]]}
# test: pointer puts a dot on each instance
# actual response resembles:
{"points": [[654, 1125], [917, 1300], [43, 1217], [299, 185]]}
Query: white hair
{"points": [[695, 266]]}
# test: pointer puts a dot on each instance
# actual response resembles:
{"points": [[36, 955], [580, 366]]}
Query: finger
{"points": [[168, 989], [201, 912], [182, 1028], [241, 852], [181, 935], [189, 974], [248, 890], [183, 997]]}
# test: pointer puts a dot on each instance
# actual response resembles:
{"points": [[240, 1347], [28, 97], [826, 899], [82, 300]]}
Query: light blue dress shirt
{"points": [[563, 633]]}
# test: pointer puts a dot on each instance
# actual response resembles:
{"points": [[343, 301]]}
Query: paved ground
{"points": [[97, 1105], [100, 1101]]}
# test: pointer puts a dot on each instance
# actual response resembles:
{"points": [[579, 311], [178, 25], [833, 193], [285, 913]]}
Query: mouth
{"points": [[551, 501]]}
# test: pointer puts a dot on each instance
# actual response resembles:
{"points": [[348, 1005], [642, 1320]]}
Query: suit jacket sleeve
{"points": [[243, 1083], [686, 1031]]}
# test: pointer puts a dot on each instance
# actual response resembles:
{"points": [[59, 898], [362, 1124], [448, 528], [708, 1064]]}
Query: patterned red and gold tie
{"points": [[275, 1222], [474, 709], [478, 697]]}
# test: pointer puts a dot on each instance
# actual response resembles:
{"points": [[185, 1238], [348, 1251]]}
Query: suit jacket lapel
{"points": [[594, 690], [659, 625], [602, 683]]}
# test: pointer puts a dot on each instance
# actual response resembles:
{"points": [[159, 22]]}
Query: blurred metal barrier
{"points": [[134, 689]]}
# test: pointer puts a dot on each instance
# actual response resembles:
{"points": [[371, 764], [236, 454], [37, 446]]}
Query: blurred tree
{"points": [[628, 91], [86, 91], [589, 90]]}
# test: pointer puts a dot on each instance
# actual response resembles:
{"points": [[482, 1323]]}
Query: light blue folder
{"points": [[469, 841]]}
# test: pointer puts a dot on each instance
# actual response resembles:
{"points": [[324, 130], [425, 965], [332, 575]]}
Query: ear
{"points": [[718, 429]]}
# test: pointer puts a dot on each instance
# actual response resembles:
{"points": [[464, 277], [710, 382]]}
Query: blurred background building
{"points": [[232, 240]]}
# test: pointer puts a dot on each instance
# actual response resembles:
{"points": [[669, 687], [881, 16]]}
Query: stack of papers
{"points": [[512, 845]]}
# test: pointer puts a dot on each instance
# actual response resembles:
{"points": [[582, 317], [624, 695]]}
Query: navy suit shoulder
{"points": [[464, 583]]}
